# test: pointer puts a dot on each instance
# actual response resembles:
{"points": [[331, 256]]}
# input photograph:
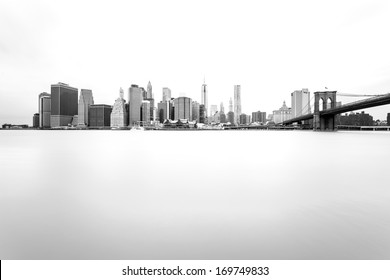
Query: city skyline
{"points": [[345, 50]]}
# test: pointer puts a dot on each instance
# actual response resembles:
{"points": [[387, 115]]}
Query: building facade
{"points": [[300, 103], [119, 115], [283, 114], [237, 102], [64, 105], [163, 111], [149, 91], [183, 108], [99, 116], [145, 112], [195, 111], [44, 109], [135, 101], [36, 120], [202, 114], [260, 117], [85, 100], [166, 94], [230, 117]]}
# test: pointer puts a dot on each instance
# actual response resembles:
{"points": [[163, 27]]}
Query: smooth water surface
{"points": [[194, 195]]}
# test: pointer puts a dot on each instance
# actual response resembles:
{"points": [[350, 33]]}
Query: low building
{"points": [[36, 120], [283, 114], [356, 119]]}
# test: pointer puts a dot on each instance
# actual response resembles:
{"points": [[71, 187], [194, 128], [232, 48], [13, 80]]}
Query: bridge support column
{"points": [[322, 121]]}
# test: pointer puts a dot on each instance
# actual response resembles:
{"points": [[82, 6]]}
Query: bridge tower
{"points": [[328, 100]]}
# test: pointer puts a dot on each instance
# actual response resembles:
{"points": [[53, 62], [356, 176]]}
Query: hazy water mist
{"points": [[194, 195]]}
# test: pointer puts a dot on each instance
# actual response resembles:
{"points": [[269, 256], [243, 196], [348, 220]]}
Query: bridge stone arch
{"points": [[323, 121]]}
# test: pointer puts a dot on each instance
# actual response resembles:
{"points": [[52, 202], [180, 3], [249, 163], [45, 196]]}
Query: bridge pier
{"points": [[324, 122]]}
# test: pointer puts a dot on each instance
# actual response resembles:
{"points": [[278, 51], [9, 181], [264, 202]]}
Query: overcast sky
{"points": [[270, 48]]}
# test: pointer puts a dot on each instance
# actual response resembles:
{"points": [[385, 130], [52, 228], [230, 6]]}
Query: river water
{"points": [[194, 195]]}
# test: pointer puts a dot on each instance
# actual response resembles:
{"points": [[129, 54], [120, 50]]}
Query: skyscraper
{"points": [[183, 108], [230, 105], [237, 103], [300, 103], [99, 116], [163, 111], [195, 111], [222, 108], [63, 104], [204, 97], [44, 109], [166, 94], [202, 114], [135, 102], [145, 112], [85, 100], [119, 115], [36, 120], [149, 91]]}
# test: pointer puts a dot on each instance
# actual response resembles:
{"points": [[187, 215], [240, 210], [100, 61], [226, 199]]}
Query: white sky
{"points": [[270, 48]]}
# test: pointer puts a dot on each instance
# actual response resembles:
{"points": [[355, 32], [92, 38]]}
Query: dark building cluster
{"points": [[356, 119]]}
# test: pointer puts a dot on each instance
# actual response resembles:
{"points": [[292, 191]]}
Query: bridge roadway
{"points": [[357, 105]]}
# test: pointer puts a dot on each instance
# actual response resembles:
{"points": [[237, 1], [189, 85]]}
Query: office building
{"points": [[283, 114], [183, 108], [166, 94], [237, 102], [230, 117], [222, 117], [135, 101], [44, 109], [99, 116], [243, 119], [259, 117], [222, 108], [202, 114], [230, 105], [145, 112], [300, 103], [36, 120], [85, 100], [64, 104], [204, 97], [119, 115], [149, 92], [163, 111], [195, 111]]}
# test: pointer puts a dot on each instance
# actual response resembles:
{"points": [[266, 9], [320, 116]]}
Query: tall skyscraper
{"points": [[85, 100], [163, 111], [202, 114], [166, 94], [300, 103], [237, 103], [204, 96], [149, 91], [64, 105], [119, 115], [222, 108], [44, 109], [183, 108], [135, 102], [230, 105]]}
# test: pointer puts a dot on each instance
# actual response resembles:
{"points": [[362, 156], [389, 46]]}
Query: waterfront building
{"points": [[300, 103], [119, 115], [204, 97], [283, 114], [230, 117], [237, 102], [149, 92], [195, 111], [99, 116], [163, 111], [222, 117], [248, 119], [202, 113], [64, 104], [356, 119], [44, 109], [145, 112], [183, 108], [388, 119], [85, 100], [243, 119], [135, 101], [36, 120], [259, 117], [166, 94]]}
